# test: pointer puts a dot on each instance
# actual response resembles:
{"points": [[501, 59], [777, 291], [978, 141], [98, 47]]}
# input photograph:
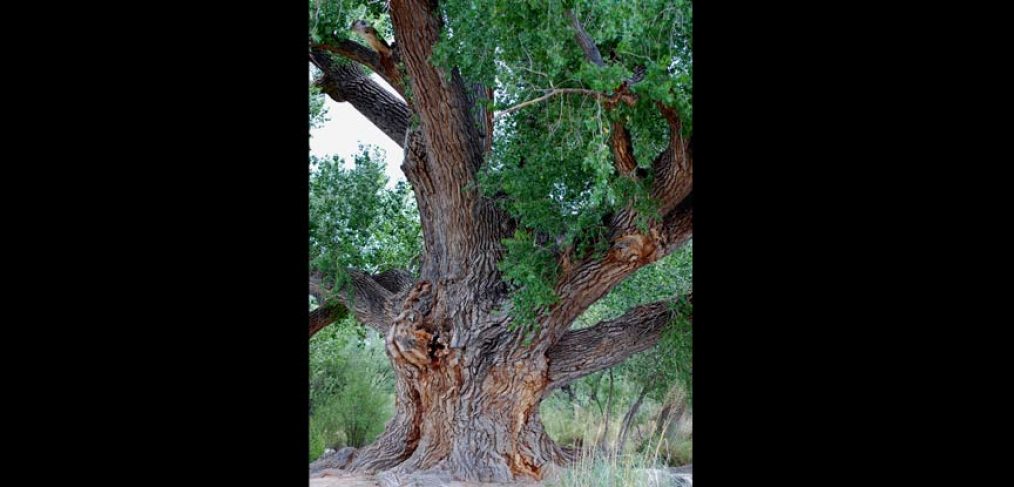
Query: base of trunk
{"points": [[484, 451], [467, 402], [449, 427]]}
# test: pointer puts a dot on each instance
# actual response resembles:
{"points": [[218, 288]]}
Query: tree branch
{"points": [[387, 58], [550, 94], [320, 318], [369, 297], [395, 280], [353, 51], [347, 82], [478, 97], [623, 148], [584, 283], [591, 51], [674, 168], [589, 350]]}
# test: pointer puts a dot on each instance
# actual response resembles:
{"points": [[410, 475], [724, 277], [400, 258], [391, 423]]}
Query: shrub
{"points": [[351, 389]]}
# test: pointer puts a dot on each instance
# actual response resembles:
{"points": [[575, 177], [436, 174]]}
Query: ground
{"points": [[675, 477]]}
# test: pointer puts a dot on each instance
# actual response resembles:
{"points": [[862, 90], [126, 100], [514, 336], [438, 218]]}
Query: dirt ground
{"points": [[343, 479], [338, 478]]}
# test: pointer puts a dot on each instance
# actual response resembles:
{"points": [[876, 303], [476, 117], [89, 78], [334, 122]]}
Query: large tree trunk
{"points": [[468, 388], [468, 395]]}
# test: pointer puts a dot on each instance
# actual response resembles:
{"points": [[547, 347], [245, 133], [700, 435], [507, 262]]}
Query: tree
{"points": [[548, 146]]}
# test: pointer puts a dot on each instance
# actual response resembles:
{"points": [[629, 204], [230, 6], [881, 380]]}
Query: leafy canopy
{"points": [[553, 159], [356, 221]]}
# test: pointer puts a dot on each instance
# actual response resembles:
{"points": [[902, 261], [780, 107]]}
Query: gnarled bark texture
{"points": [[468, 388]]}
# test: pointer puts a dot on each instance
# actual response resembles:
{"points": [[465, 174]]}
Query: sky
{"points": [[346, 128]]}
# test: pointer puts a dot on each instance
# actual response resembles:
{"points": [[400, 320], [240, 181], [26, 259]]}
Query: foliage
{"points": [[553, 159], [318, 113], [356, 220], [330, 19], [351, 387], [615, 471], [575, 416], [532, 269], [670, 360]]}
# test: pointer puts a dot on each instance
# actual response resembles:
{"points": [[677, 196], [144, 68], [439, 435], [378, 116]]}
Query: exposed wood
{"points": [[386, 59]]}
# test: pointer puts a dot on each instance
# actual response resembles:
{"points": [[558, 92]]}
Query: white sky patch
{"points": [[346, 129]]}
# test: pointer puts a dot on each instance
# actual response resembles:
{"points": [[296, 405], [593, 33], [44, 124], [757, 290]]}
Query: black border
{"points": [[196, 211]]}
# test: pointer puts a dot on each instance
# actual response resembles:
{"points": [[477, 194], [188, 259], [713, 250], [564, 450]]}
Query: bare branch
{"points": [[395, 280], [584, 283], [550, 94], [320, 318], [623, 149], [591, 51]]}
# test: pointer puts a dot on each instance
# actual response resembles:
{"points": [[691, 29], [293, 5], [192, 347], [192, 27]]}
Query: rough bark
{"points": [[591, 51], [347, 82], [468, 395], [369, 297], [453, 146], [674, 170], [588, 350]]}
